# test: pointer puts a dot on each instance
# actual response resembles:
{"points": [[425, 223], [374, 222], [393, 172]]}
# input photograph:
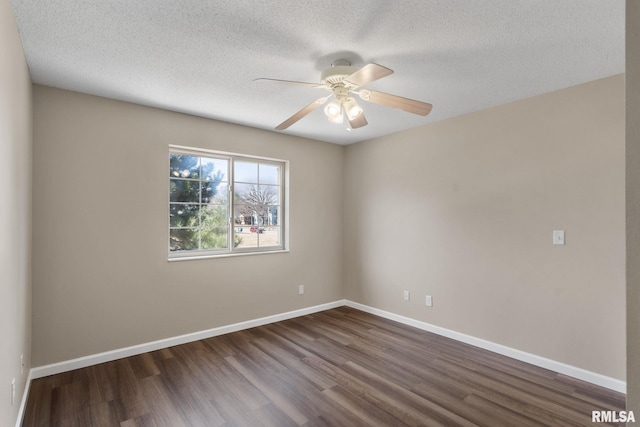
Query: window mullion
{"points": [[230, 210], [199, 202]]}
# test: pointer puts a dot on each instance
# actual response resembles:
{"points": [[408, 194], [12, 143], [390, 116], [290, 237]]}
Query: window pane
{"points": [[245, 172], [263, 219], [244, 216], [269, 236], [181, 190], [269, 174], [181, 215], [267, 218], [271, 216], [184, 239], [213, 216], [256, 197], [244, 192], [269, 195], [214, 169], [237, 238], [184, 166], [215, 238], [244, 237], [214, 192]]}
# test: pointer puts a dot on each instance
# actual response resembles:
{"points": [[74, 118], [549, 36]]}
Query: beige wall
{"points": [[464, 210], [101, 279], [633, 205], [15, 214]]}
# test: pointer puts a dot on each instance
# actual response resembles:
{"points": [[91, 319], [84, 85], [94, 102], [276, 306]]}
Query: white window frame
{"points": [[230, 250]]}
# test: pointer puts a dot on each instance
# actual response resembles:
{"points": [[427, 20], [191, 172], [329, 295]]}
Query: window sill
{"points": [[226, 255]]}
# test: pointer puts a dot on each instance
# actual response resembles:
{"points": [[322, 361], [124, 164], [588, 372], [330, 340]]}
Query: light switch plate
{"points": [[558, 237], [429, 301]]}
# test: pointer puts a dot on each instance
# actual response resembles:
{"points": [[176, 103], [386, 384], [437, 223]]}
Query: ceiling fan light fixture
{"points": [[337, 119], [333, 111], [352, 108]]}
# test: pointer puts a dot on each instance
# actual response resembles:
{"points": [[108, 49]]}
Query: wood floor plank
{"points": [[273, 394], [340, 367], [520, 401], [99, 386], [103, 414], [161, 407], [271, 416], [376, 397], [486, 412], [130, 401], [461, 405], [560, 396], [38, 408], [294, 363], [406, 396], [141, 421], [369, 414], [144, 365], [183, 390]]}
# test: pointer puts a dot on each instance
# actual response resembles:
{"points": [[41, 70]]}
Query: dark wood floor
{"points": [[341, 367]]}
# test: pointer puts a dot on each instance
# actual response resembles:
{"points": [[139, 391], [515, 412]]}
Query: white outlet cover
{"points": [[558, 237]]}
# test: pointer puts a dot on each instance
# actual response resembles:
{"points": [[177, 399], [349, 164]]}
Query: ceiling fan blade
{"points": [[367, 74], [359, 121], [288, 82], [300, 114], [395, 101]]}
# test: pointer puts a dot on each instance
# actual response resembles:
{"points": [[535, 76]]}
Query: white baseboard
{"points": [[562, 368], [108, 356], [25, 395], [81, 362]]}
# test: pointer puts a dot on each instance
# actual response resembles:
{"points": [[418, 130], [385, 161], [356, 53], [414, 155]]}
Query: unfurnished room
{"points": [[354, 213]]}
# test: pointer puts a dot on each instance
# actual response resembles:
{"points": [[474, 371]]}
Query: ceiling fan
{"points": [[343, 80]]}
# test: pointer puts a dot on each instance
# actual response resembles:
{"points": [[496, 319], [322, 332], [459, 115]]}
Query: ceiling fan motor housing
{"points": [[336, 74]]}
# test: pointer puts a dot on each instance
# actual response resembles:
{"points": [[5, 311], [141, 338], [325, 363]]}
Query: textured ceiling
{"points": [[201, 56]]}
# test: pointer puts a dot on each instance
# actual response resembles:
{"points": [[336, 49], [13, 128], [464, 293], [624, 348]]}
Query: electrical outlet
{"points": [[406, 295], [429, 301], [300, 289], [558, 237], [13, 391]]}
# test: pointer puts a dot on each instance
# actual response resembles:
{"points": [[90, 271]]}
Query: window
{"points": [[221, 203]]}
